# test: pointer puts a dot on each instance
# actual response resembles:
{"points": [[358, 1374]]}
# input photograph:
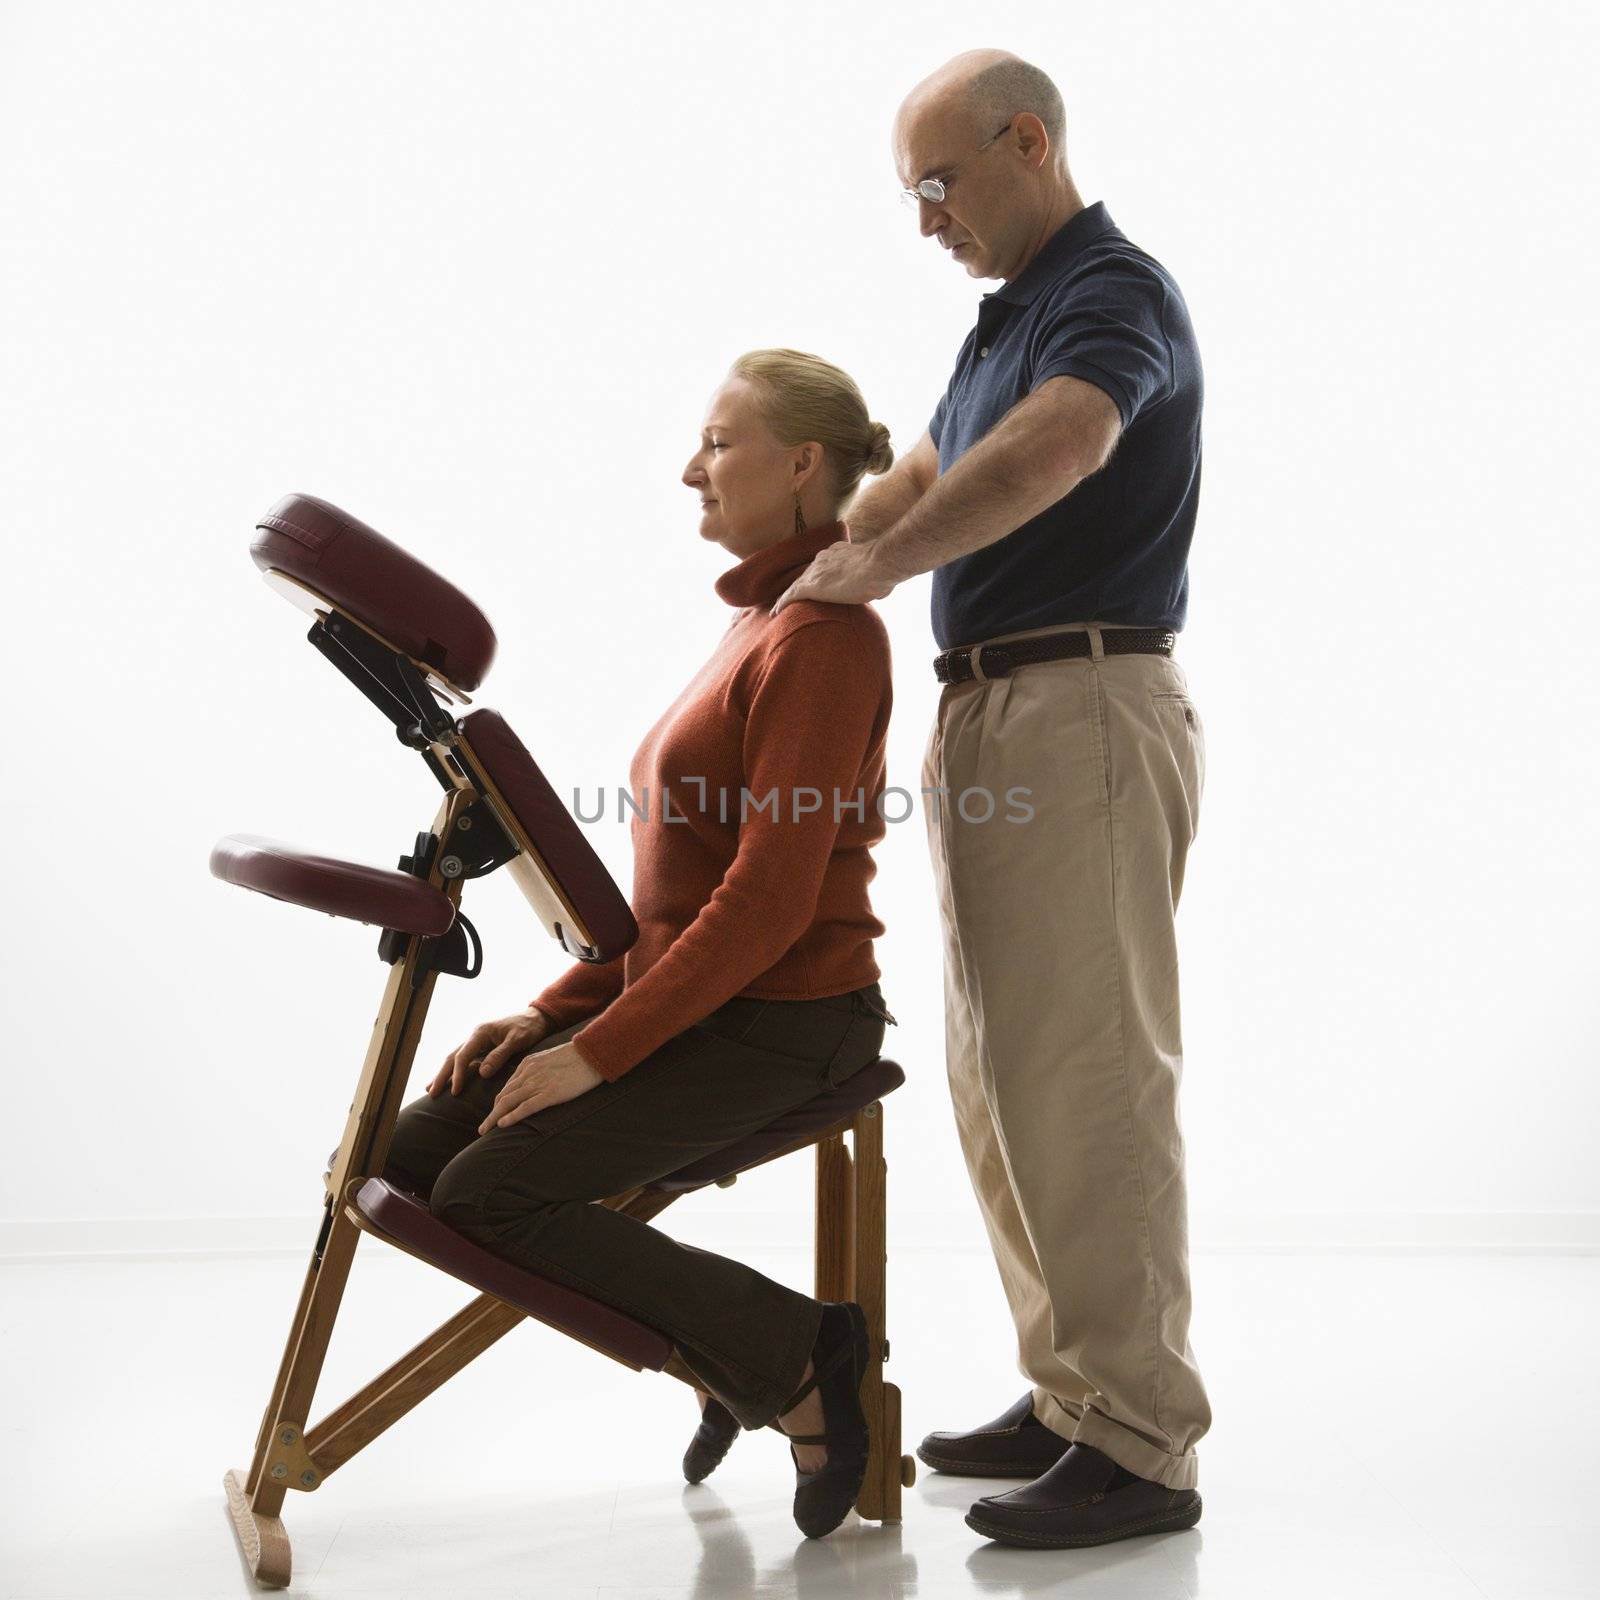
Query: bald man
{"points": [[1053, 498]]}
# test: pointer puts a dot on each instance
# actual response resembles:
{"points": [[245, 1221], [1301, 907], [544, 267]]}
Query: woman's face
{"points": [[745, 479]]}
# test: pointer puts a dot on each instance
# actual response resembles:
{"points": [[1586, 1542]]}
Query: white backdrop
{"points": [[472, 271]]}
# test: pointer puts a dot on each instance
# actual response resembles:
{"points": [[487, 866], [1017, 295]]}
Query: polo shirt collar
{"points": [[759, 579], [1062, 245]]}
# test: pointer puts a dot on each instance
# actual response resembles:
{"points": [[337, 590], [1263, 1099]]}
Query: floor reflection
{"points": [[858, 1558], [1158, 1565]]}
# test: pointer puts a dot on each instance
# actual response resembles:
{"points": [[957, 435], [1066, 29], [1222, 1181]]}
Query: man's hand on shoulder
{"points": [[843, 573]]}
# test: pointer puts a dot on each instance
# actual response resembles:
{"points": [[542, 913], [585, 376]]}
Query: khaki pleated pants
{"points": [[1063, 1042]]}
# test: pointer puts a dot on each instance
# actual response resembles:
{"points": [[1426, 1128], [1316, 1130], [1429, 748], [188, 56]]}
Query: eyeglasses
{"points": [[935, 189]]}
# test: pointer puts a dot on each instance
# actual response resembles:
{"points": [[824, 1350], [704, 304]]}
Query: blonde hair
{"points": [[803, 397]]}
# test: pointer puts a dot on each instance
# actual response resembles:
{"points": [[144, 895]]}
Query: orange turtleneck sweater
{"points": [[738, 891]]}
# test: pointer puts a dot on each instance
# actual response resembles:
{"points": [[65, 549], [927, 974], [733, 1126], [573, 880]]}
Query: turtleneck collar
{"points": [[759, 579]]}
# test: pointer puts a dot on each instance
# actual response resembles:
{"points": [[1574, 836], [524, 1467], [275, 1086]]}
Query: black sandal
{"points": [[839, 1363], [712, 1439]]}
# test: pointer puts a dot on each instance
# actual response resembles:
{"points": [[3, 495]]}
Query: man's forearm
{"points": [[1044, 447], [982, 498], [881, 503]]}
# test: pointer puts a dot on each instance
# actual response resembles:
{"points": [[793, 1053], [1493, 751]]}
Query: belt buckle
{"points": [[958, 670]]}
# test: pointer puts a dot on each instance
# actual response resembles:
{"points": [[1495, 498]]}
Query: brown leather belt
{"points": [[997, 660]]}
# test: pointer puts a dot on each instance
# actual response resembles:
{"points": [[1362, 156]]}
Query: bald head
{"points": [[980, 89], [990, 128]]}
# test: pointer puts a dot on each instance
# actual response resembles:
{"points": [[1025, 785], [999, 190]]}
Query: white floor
{"points": [[1416, 1427]]}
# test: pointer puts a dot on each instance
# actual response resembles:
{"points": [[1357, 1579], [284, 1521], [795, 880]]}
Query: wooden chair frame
{"points": [[850, 1261]]}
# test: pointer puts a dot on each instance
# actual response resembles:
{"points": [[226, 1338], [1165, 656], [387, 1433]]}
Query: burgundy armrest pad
{"points": [[378, 895]]}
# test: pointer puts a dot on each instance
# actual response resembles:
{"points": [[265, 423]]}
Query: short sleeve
{"points": [[1113, 336], [938, 418]]}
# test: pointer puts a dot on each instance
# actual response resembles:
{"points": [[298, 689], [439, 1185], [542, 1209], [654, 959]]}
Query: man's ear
{"points": [[1032, 140]]}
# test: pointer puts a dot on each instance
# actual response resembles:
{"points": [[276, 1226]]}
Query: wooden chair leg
{"points": [[262, 1540], [887, 1469], [378, 1405], [835, 1221], [301, 1366], [283, 1459]]}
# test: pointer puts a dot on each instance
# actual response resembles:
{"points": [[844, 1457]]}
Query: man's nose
{"points": [[930, 216]]}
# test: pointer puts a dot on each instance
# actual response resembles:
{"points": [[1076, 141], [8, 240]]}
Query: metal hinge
{"points": [[289, 1463]]}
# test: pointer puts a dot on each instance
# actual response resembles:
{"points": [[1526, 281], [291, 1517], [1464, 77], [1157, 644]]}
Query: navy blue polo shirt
{"points": [[1116, 547]]}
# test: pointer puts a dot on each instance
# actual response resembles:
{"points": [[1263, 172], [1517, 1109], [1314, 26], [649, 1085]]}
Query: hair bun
{"points": [[880, 453]]}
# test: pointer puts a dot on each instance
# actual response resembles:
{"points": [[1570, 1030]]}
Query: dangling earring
{"points": [[799, 518]]}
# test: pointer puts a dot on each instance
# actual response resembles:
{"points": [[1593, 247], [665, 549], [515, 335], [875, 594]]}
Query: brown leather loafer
{"points": [[1015, 1445], [1085, 1498]]}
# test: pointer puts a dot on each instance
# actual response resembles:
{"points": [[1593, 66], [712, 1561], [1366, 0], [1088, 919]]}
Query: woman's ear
{"points": [[807, 463]]}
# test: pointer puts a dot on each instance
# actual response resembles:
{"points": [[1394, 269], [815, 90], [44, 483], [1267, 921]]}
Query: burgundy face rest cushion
{"points": [[377, 583]]}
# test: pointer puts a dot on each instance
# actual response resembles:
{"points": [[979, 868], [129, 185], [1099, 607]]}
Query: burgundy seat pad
{"points": [[377, 583], [404, 1217], [814, 1118], [341, 888], [570, 859]]}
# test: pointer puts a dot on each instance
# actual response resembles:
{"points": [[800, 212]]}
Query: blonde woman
{"points": [[752, 987]]}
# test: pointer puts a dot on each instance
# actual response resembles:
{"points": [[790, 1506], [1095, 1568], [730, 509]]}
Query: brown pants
{"points": [[527, 1191], [1063, 1044]]}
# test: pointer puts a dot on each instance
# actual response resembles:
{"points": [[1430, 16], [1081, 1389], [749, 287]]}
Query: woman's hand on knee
{"points": [[550, 1078], [487, 1049]]}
